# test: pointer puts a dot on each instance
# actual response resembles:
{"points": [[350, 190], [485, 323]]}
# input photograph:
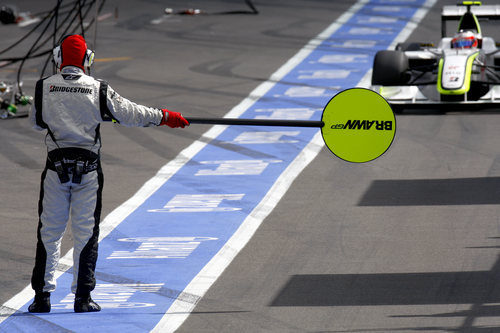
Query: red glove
{"points": [[173, 119]]}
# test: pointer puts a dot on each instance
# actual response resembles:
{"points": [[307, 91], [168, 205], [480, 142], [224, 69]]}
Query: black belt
{"points": [[72, 165], [75, 161]]}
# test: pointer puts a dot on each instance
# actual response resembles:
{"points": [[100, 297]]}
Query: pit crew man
{"points": [[70, 106]]}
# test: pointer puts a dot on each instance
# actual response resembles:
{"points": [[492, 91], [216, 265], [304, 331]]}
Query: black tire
{"points": [[390, 68], [397, 109]]}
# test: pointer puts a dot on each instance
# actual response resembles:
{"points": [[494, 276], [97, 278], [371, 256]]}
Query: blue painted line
{"points": [[147, 261]]}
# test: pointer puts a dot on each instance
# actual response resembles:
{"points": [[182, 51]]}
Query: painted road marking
{"points": [[324, 74], [343, 58], [199, 203], [264, 137], [112, 59], [235, 167], [301, 92], [113, 296], [287, 113], [191, 207], [159, 247]]}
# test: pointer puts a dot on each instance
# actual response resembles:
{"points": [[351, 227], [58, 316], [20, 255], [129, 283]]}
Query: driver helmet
{"points": [[465, 40]]}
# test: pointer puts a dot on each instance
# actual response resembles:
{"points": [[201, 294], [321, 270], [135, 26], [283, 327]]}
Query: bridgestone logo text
{"points": [[365, 125], [78, 90]]}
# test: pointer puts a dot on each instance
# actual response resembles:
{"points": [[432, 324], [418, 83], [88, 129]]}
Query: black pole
{"points": [[256, 122]]}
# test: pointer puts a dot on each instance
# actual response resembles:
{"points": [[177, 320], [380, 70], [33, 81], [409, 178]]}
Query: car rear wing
{"points": [[455, 13]]}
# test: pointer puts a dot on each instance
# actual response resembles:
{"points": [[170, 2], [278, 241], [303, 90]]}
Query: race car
{"points": [[462, 72]]}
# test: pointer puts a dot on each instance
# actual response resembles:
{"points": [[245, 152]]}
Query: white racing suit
{"points": [[71, 106]]}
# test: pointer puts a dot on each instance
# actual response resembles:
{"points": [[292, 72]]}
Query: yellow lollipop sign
{"points": [[359, 125]]}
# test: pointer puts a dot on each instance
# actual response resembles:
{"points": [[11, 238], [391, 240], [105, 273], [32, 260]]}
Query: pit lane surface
{"points": [[405, 243]]}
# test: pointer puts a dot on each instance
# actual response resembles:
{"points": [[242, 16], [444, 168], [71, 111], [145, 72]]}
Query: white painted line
{"points": [[412, 24]]}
